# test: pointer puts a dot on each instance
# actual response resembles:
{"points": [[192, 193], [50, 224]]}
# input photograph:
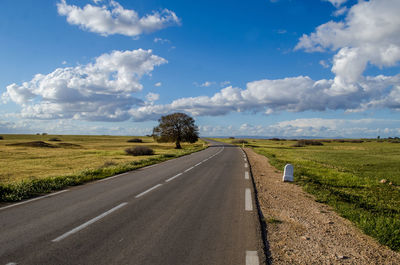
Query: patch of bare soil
{"points": [[303, 231], [69, 145], [34, 144]]}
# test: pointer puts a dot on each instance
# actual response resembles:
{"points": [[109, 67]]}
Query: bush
{"points": [[231, 137], [54, 139], [241, 141], [135, 140], [1, 137], [139, 151], [302, 143]]}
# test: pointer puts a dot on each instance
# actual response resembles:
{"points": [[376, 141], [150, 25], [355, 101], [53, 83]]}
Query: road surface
{"points": [[196, 209]]}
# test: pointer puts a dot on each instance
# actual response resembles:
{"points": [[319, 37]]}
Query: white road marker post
{"points": [[288, 173]]}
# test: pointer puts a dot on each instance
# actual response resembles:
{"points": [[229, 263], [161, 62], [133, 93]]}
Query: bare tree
{"points": [[176, 127]]}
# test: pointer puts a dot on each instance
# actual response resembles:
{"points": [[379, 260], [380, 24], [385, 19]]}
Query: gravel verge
{"points": [[303, 231]]}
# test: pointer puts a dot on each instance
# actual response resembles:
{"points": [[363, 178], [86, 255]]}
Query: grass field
{"points": [[361, 181], [63, 160]]}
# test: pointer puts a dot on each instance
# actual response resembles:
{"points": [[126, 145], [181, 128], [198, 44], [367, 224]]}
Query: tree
{"points": [[176, 127]]}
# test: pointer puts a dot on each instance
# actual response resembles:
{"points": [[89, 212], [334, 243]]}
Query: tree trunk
{"points": [[178, 144]]}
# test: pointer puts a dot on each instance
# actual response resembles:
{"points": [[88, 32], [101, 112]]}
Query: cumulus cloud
{"points": [[98, 91], [158, 84], [294, 94], [370, 34], [111, 18]]}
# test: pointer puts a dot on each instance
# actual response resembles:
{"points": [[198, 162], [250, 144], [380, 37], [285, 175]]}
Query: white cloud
{"points": [[336, 3], [151, 97], [162, 41], [158, 84], [225, 83], [312, 127], [112, 18], [340, 11], [101, 90], [64, 62], [370, 34], [207, 84], [324, 64], [294, 94]]}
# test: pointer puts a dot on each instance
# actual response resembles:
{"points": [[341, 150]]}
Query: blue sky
{"points": [[262, 68]]}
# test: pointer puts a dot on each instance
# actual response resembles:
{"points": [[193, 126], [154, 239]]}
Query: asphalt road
{"points": [[197, 209]]}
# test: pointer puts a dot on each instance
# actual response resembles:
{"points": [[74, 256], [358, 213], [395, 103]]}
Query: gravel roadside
{"points": [[303, 231]]}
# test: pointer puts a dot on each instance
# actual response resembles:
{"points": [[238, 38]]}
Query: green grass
{"points": [[31, 171], [347, 177]]}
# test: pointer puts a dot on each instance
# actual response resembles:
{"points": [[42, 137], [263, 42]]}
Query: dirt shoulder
{"points": [[303, 231]]}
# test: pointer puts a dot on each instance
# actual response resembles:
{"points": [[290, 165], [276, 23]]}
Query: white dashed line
{"points": [[252, 258], [11, 263], [248, 205], [31, 200], [82, 226], [144, 192], [246, 165], [177, 175], [246, 175]]}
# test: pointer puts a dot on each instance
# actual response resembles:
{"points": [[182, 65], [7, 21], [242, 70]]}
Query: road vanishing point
{"points": [[197, 209]]}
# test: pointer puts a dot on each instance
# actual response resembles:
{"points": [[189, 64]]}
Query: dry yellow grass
{"points": [[20, 162]]}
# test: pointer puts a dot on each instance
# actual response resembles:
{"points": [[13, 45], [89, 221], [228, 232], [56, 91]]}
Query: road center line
{"points": [[177, 175], [146, 191], [248, 205], [82, 226], [252, 258], [31, 200], [246, 175]]}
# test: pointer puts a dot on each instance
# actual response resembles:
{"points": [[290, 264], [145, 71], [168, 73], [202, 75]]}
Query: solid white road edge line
{"points": [[248, 205], [246, 175], [252, 258], [31, 200], [177, 175], [198, 164], [146, 191], [116, 176], [82, 226], [190, 168]]}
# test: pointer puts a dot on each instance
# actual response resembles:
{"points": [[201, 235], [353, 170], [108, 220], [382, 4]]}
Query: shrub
{"points": [[240, 141], [135, 140], [1, 137], [231, 137], [54, 139], [139, 151], [302, 143], [277, 139]]}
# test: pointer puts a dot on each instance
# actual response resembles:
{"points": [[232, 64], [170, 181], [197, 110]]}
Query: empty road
{"points": [[196, 209]]}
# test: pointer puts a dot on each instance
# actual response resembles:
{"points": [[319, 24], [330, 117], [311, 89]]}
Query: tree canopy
{"points": [[176, 127]]}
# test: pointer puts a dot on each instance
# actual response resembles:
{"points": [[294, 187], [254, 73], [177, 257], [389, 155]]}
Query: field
{"points": [[360, 180], [56, 161]]}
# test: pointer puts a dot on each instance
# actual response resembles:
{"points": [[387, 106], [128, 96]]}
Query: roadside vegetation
{"points": [[360, 179], [31, 165]]}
